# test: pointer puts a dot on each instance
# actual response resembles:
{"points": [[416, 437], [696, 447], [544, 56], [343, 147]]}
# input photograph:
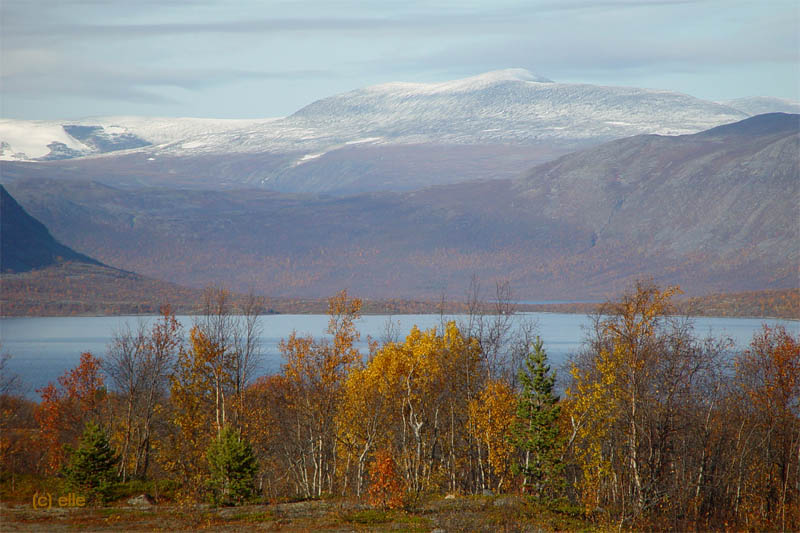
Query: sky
{"points": [[68, 59]]}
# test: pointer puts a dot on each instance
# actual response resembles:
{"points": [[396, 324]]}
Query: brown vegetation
{"points": [[84, 289]]}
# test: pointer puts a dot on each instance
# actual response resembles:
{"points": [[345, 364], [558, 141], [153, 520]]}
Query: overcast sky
{"points": [[239, 59]]}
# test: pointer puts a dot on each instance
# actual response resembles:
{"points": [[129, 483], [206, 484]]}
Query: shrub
{"points": [[386, 488]]}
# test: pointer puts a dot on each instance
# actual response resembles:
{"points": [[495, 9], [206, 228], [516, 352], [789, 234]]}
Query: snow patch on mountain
{"points": [[161, 130], [364, 141], [41, 140], [31, 139]]}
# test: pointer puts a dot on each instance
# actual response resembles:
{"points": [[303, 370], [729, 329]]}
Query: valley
{"points": [[710, 211]]}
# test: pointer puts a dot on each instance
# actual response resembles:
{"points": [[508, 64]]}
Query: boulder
{"points": [[142, 500]]}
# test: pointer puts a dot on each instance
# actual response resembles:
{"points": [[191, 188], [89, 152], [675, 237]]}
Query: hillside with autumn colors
{"points": [[713, 212]]}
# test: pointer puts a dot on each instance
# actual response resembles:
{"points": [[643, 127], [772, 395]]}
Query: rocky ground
{"points": [[486, 513]]}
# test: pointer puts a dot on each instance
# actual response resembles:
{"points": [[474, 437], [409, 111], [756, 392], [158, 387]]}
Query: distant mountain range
{"points": [[712, 211], [390, 137]]}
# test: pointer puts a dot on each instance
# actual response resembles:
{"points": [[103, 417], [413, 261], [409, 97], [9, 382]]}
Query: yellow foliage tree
{"points": [[491, 417], [361, 418], [315, 372], [615, 394], [419, 391], [192, 414]]}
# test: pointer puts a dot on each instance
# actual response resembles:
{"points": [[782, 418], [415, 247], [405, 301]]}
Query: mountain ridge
{"points": [[708, 212]]}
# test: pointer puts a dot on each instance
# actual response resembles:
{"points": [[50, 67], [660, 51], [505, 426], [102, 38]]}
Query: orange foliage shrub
{"points": [[386, 489]]}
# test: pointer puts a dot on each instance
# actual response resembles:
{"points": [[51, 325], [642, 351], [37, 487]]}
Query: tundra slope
{"points": [[714, 211]]}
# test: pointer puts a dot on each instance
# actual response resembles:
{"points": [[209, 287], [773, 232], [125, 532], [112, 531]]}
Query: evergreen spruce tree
{"points": [[233, 468], [535, 432], [92, 467]]}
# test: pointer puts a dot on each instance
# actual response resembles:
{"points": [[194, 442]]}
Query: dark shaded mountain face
{"points": [[715, 211], [25, 244]]}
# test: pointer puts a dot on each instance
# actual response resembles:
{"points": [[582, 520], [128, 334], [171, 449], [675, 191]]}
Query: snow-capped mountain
{"points": [[393, 136], [42, 140], [510, 106]]}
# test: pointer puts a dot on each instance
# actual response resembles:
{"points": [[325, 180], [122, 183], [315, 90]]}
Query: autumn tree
{"points": [[536, 430], [612, 388], [503, 340], [231, 350], [124, 364], [361, 419], [213, 349], [634, 393], [268, 425], [491, 415], [139, 363], [17, 451], [768, 380], [247, 351], [315, 372], [9, 381], [191, 415], [65, 409], [162, 348], [418, 405]]}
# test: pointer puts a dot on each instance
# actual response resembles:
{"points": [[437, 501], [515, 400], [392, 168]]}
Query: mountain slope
{"points": [[714, 211], [716, 192], [25, 244]]}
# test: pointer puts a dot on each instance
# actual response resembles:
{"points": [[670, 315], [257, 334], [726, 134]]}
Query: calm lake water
{"points": [[43, 348]]}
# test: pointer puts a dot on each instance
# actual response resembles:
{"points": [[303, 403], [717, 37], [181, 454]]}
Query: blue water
{"points": [[43, 348]]}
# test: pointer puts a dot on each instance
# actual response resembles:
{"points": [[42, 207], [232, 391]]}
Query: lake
{"points": [[43, 348]]}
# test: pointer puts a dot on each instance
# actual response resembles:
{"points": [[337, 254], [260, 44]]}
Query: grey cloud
{"points": [[548, 52], [139, 85], [442, 19], [59, 32]]}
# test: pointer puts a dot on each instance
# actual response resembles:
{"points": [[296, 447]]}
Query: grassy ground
{"points": [[491, 514]]}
